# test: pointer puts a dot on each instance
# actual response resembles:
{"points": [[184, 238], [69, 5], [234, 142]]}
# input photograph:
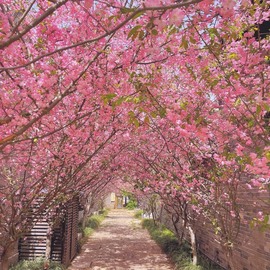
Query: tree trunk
{"points": [[88, 206], [229, 257], [48, 243], [184, 226], [4, 263], [85, 216], [7, 253], [159, 217], [161, 214], [193, 246], [153, 214], [180, 235]]}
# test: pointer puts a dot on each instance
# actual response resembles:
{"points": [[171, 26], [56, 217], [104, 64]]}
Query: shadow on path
{"points": [[121, 243]]}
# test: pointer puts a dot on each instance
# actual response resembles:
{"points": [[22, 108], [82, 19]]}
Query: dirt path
{"points": [[121, 243]]}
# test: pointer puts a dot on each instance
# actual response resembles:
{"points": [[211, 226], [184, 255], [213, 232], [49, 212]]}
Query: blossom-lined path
{"points": [[121, 243]]}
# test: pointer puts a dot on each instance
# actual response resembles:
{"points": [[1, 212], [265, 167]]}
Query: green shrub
{"points": [[87, 231], [37, 264], [181, 255], [104, 212], [131, 205], [138, 214], [94, 221]]}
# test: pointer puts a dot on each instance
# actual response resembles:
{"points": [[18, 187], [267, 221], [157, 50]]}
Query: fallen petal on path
{"points": [[121, 244]]}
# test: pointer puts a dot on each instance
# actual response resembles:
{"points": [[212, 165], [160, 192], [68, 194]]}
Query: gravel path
{"points": [[121, 243]]}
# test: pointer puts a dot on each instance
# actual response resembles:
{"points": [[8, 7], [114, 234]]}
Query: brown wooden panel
{"points": [[34, 243], [64, 236]]}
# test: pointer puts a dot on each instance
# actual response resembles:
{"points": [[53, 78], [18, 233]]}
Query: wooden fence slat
{"points": [[63, 240]]}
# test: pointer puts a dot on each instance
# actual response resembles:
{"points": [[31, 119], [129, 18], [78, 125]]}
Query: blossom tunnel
{"points": [[164, 98]]}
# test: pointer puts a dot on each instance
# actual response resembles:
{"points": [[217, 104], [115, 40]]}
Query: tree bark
{"points": [[4, 263], [180, 235], [229, 257], [48, 243], [7, 253], [193, 246]]}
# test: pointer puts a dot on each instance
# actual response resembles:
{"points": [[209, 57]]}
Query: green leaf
{"points": [[267, 155], [125, 10], [266, 107], [172, 31], [168, 49], [109, 96], [113, 18], [154, 32], [214, 82], [133, 119], [192, 40], [134, 31], [138, 15], [183, 105], [106, 98], [146, 120], [237, 102], [184, 43], [136, 100], [213, 32], [232, 56], [131, 114], [141, 35], [136, 122], [162, 112], [199, 120], [258, 109], [153, 114], [128, 99], [251, 123], [119, 101]]}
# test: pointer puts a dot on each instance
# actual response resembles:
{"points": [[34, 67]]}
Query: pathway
{"points": [[121, 244]]}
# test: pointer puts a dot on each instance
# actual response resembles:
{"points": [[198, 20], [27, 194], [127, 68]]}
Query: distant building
{"points": [[115, 201]]}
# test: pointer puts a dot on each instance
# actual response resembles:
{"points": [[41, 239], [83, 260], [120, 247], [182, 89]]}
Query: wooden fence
{"points": [[59, 241]]}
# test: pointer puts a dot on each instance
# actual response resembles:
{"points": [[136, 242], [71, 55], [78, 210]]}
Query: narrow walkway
{"points": [[121, 243]]}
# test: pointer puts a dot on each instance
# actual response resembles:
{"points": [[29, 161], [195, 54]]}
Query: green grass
{"points": [[92, 224], [180, 254], [37, 264], [94, 221], [87, 231]]}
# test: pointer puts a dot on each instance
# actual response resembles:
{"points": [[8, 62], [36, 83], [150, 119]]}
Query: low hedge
{"points": [[180, 254], [92, 224], [38, 264]]}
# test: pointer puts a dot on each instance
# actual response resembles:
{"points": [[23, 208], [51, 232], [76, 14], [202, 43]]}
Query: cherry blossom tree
{"points": [[172, 94]]}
